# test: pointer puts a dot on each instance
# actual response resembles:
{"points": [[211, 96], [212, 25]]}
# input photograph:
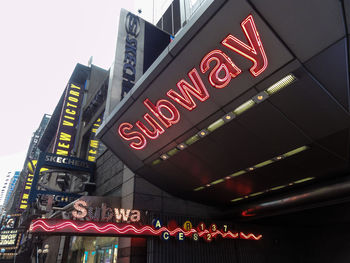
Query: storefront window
{"points": [[93, 250]]}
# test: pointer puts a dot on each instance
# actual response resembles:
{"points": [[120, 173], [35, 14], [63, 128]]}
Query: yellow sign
{"points": [[64, 141], [8, 238], [187, 226], [28, 183], [93, 143]]}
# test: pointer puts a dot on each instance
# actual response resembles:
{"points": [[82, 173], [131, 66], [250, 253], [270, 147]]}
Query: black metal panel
{"points": [[272, 127], [314, 162], [310, 107], [176, 16], [154, 44], [337, 143], [168, 21], [307, 27], [244, 148], [330, 68]]}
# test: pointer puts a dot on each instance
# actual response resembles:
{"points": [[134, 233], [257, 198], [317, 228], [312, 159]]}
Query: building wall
{"points": [[278, 245], [113, 178]]}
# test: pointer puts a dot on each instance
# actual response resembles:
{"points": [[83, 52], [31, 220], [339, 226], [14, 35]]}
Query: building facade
{"points": [[11, 187]]}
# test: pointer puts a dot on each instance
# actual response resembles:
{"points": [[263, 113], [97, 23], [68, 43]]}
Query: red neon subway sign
{"points": [[60, 226], [164, 113]]}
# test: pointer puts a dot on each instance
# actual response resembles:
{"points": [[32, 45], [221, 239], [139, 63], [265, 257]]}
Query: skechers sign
{"points": [[132, 27], [164, 113], [139, 43]]}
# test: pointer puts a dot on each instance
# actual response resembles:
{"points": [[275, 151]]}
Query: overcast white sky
{"points": [[41, 41]]}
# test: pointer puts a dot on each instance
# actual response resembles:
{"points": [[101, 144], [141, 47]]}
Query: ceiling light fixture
{"points": [[284, 82]]}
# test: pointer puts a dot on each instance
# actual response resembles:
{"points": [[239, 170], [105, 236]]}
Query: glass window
{"points": [[88, 249]]}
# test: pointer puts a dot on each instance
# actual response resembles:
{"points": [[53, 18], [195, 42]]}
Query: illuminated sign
{"points": [[9, 223], [31, 166], [64, 140], [8, 238], [104, 213], [164, 113], [25, 195], [76, 227], [94, 142]]}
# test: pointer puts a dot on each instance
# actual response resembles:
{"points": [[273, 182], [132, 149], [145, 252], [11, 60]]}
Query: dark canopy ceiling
{"points": [[253, 155]]}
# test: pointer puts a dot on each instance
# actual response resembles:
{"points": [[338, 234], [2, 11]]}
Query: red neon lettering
{"points": [[220, 75], [124, 132], [157, 129], [121, 214], [42, 225], [80, 207], [157, 111], [255, 52], [186, 101], [223, 65]]}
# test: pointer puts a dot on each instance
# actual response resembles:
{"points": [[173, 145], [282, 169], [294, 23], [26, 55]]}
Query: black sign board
{"points": [[60, 164]]}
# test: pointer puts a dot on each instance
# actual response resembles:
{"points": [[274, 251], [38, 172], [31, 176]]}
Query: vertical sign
{"points": [[23, 204], [139, 43], [28, 184], [128, 64], [94, 143], [67, 126]]}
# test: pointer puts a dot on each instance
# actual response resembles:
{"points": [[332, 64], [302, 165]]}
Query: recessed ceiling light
{"points": [[172, 152], [155, 162], [245, 106], [217, 181], [263, 164], [287, 80], [182, 146], [295, 151], [237, 199], [238, 173], [199, 188], [203, 133], [164, 156], [215, 125], [260, 97], [229, 117], [304, 180]]}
